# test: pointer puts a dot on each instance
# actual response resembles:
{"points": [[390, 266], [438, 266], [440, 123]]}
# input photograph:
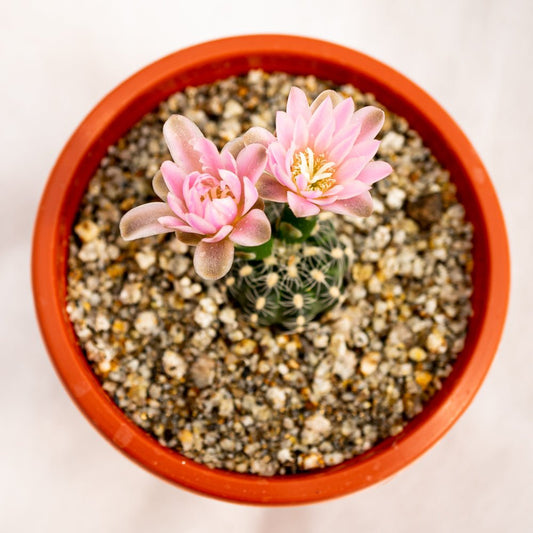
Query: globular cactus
{"points": [[296, 282]]}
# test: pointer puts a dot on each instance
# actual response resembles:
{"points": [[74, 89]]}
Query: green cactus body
{"points": [[296, 282]]}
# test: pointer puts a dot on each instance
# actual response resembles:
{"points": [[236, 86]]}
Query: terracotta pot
{"points": [[122, 108]]}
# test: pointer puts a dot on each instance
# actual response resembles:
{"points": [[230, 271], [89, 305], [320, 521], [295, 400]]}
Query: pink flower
{"points": [[321, 158], [209, 199]]}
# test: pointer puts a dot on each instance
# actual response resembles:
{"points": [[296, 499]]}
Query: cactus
{"points": [[301, 277]]}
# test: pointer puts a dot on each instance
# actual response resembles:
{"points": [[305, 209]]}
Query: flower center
{"points": [[317, 170], [213, 191]]}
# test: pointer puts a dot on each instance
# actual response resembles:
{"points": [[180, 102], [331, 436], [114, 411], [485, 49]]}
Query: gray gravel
{"points": [[178, 358]]}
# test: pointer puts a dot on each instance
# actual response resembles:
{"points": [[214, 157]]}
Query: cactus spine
{"points": [[301, 278]]}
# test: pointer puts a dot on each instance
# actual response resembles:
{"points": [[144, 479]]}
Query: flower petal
{"points": [[199, 224], [284, 128], [173, 177], [222, 233], [170, 222], [250, 195], [232, 182], [334, 96], [366, 149], [159, 186], [212, 260], [350, 169], [301, 207], [252, 230], [142, 221], [270, 188], [374, 171], [234, 146], [297, 104], [360, 205], [351, 189], [343, 112], [209, 156], [371, 119], [321, 118], [178, 132], [300, 135], [258, 135], [251, 162], [228, 161], [192, 239]]}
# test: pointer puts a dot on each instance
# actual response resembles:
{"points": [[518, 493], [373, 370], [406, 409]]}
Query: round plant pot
{"points": [[204, 63]]}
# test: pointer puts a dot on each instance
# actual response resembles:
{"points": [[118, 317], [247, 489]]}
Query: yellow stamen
{"points": [[315, 168]]}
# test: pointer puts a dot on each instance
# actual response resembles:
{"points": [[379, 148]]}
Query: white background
{"points": [[58, 59]]}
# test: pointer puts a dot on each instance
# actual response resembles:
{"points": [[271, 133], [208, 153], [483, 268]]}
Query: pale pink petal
{"points": [[270, 188], [252, 230], [212, 260], [374, 171], [343, 113], [323, 139], [250, 195], [320, 119], [174, 177], [177, 205], [334, 96], [339, 150], [198, 223], [358, 205], [279, 165], [277, 155], [226, 207], [232, 182], [371, 119], [228, 161], [258, 135], [300, 134], [209, 156], [251, 162], [179, 131], [324, 201], [187, 229], [350, 131], [301, 182], [214, 216], [222, 233], [350, 169], [234, 146], [297, 104], [142, 221], [193, 201], [171, 222], [366, 149], [351, 189], [301, 207], [159, 186], [284, 128]]}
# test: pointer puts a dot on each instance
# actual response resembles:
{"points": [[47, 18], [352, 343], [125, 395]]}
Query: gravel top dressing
{"points": [[184, 363]]}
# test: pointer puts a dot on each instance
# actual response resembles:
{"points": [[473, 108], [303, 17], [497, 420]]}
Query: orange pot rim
{"points": [[119, 110]]}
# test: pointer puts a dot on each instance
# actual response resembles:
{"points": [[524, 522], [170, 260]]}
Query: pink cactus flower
{"points": [[321, 158], [209, 198]]}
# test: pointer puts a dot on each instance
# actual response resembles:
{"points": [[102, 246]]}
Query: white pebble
{"points": [[203, 372], [395, 198], [145, 259], [391, 142], [277, 397], [146, 322], [316, 427], [174, 365]]}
